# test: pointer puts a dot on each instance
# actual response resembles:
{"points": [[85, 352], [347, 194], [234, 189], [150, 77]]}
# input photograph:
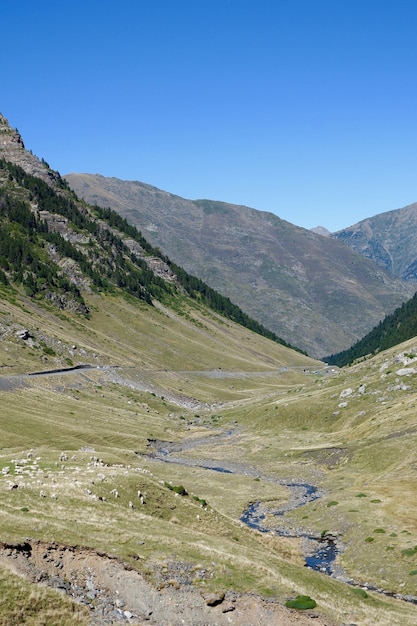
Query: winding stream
{"points": [[321, 552], [325, 550]]}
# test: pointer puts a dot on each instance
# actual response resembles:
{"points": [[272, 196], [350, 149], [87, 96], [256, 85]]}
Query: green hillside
{"points": [[391, 331], [100, 254]]}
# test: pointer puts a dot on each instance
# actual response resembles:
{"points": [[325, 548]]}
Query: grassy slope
{"points": [[286, 428]]}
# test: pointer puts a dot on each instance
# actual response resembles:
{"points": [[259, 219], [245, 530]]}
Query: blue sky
{"points": [[305, 108]]}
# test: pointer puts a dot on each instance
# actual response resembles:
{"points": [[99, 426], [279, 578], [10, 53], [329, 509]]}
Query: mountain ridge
{"points": [[70, 247], [388, 238], [298, 283]]}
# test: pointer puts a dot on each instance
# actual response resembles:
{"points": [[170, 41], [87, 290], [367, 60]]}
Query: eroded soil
{"points": [[116, 593]]}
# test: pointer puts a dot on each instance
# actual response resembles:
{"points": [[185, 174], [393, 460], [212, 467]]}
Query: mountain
{"points": [[161, 463], [321, 230], [391, 331], [389, 239], [56, 247], [311, 290]]}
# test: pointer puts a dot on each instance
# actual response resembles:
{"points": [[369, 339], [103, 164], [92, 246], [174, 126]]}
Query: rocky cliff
{"points": [[13, 149]]}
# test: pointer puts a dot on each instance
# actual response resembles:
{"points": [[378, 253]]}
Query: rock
{"points": [[407, 371], [346, 392], [213, 599], [12, 149]]}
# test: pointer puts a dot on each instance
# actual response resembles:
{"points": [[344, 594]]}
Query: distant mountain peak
{"points": [[321, 230]]}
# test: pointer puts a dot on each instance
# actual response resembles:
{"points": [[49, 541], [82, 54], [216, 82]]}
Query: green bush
{"points": [[360, 592], [200, 500], [177, 489], [301, 603]]}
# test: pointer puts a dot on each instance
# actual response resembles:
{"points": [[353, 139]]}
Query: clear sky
{"points": [[305, 108]]}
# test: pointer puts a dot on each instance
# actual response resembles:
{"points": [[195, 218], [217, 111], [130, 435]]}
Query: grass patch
{"points": [[302, 603], [22, 603]]}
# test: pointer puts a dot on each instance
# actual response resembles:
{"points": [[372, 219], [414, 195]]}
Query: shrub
{"points": [[200, 500], [301, 603], [332, 503], [360, 592], [177, 489]]}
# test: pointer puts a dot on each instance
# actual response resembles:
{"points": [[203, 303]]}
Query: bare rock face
{"points": [[13, 149]]}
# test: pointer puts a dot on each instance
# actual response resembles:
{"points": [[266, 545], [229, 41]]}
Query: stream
{"points": [[325, 549], [320, 558], [320, 551]]}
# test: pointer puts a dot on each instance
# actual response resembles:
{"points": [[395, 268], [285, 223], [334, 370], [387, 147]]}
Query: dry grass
{"points": [[23, 603], [194, 376]]}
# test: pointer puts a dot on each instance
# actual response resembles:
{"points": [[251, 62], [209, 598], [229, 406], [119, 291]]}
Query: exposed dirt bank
{"points": [[117, 593]]}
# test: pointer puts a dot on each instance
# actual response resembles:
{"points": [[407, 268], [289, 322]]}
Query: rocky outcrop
{"points": [[13, 149]]}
